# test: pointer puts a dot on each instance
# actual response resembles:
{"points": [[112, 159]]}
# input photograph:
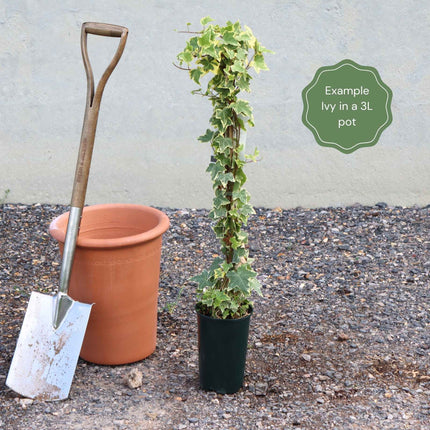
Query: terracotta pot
{"points": [[117, 267]]}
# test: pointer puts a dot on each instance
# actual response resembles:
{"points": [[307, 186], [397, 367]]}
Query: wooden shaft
{"points": [[93, 104], [84, 158]]}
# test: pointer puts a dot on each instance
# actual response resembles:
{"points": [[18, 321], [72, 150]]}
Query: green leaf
{"points": [[240, 177], [220, 201], [226, 266], [217, 213], [229, 38], [205, 40], [221, 300], [224, 143], [238, 67], [247, 210], [242, 195], [215, 169], [219, 273], [225, 178], [196, 74], [193, 43], [239, 279], [186, 57], [235, 243], [207, 137], [242, 54], [211, 51], [239, 253], [253, 157], [224, 115], [202, 279], [243, 82], [242, 236], [242, 107], [209, 64], [217, 262], [255, 286], [206, 20], [243, 36], [259, 63]]}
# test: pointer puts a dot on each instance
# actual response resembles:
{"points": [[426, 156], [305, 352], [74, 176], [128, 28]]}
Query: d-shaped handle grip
{"points": [[93, 104], [101, 29]]}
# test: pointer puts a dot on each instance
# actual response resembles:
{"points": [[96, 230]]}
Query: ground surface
{"points": [[340, 340]]}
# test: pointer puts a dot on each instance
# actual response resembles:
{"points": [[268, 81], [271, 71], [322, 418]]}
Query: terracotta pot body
{"points": [[117, 267]]}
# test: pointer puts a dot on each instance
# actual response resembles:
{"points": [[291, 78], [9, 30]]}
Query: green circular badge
{"points": [[347, 106]]}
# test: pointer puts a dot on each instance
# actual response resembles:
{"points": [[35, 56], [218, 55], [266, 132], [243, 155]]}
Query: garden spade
{"points": [[53, 330]]}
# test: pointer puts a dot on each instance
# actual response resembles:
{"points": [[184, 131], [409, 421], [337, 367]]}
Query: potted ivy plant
{"points": [[226, 54]]}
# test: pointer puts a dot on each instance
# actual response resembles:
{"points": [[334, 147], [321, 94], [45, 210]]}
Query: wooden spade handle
{"points": [[102, 29], [93, 104]]}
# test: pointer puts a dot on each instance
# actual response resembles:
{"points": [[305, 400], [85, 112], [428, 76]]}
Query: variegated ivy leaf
{"points": [[242, 107], [224, 143], [206, 20], [225, 178], [207, 137], [202, 279], [238, 67], [241, 195], [217, 213], [239, 279], [247, 210], [255, 285], [258, 63], [196, 74], [253, 157], [215, 169], [220, 201]]}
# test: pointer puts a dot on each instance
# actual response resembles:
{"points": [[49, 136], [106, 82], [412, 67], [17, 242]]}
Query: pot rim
{"points": [[59, 233]]}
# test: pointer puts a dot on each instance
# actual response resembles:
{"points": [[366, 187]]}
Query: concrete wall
{"points": [[146, 150]]}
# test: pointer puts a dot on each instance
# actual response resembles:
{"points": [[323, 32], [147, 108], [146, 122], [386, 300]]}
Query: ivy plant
{"points": [[226, 54]]}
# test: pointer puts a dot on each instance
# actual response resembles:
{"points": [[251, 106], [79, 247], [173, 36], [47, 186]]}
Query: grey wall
{"points": [[146, 150]]}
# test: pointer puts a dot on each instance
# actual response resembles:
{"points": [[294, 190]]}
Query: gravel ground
{"points": [[340, 340]]}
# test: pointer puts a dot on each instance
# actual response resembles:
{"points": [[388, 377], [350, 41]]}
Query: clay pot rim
{"points": [[163, 224]]}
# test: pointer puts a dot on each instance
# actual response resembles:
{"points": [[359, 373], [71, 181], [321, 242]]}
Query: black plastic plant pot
{"points": [[222, 352]]}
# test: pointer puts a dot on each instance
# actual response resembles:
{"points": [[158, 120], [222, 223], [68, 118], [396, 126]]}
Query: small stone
{"points": [[261, 388], [134, 379], [318, 388], [306, 357], [323, 377], [25, 402], [320, 400], [342, 337], [424, 378]]}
